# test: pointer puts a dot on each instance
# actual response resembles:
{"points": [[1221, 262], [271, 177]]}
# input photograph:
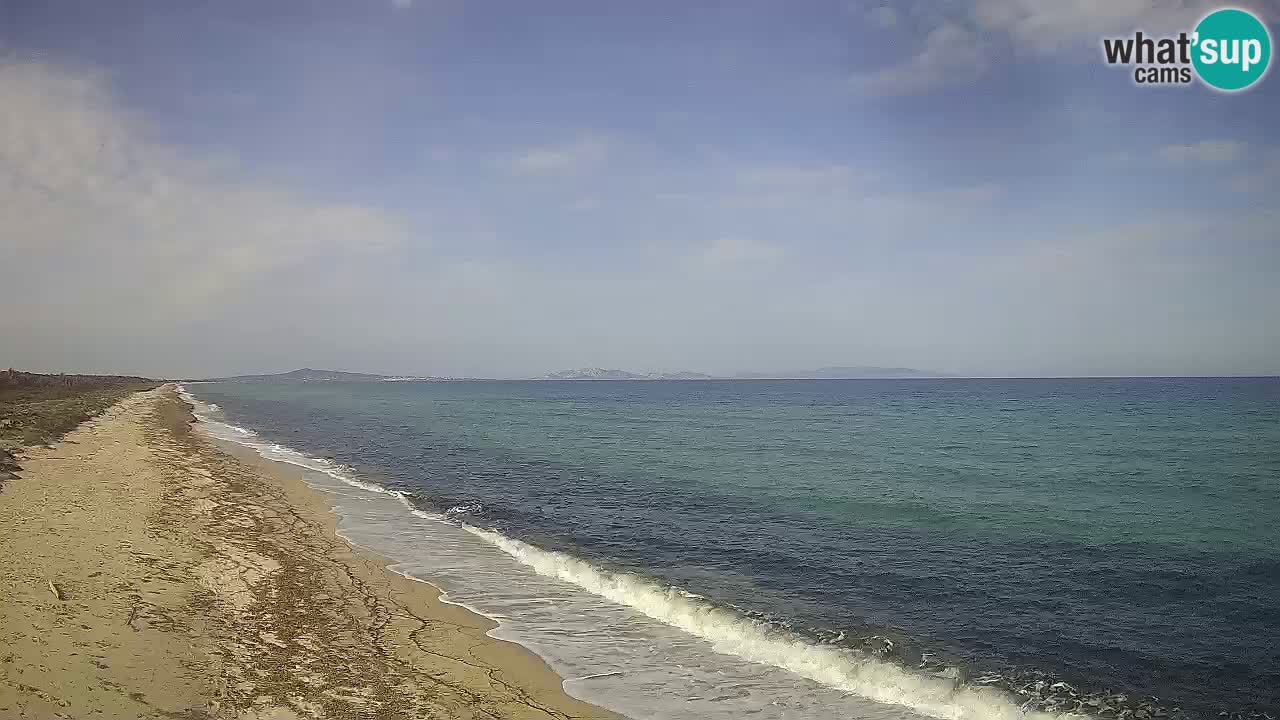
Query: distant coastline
{"points": [[595, 373], [614, 375]]}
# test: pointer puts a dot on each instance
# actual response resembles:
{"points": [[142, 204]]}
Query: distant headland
{"points": [[856, 372]]}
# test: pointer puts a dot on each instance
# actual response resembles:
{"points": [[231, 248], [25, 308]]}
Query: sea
{"points": [[876, 549]]}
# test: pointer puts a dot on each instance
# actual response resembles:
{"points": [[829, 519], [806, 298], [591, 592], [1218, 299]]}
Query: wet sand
{"points": [[146, 572]]}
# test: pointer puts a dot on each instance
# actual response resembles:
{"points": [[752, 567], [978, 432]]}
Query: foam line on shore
{"points": [[733, 634]]}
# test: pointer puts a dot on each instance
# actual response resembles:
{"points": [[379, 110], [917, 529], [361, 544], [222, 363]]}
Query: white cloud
{"points": [[884, 16], [1262, 174], [565, 158], [736, 251], [951, 54], [843, 199], [103, 225], [780, 187], [962, 40], [1205, 152], [808, 178], [1045, 26]]}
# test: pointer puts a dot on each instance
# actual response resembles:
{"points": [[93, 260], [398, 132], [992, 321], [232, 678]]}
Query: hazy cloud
{"points": [[773, 225], [1205, 152], [1261, 173], [735, 251], [962, 40], [129, 230], [820, 178], [574, 156], [951, 54], [1046, 26], [884, 16]]}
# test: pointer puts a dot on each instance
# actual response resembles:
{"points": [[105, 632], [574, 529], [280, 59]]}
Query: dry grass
{"points": [[38, 409]]}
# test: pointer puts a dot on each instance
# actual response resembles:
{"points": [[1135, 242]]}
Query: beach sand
{"points": [[197, 581]]}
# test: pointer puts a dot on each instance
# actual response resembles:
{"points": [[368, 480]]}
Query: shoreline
{"points": [[501, 652], [201, 580]]}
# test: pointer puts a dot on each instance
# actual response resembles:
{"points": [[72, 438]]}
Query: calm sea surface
{"points": [[1119, 536]]}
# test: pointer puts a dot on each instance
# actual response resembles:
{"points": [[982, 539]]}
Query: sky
{"points": [[503, 189]]}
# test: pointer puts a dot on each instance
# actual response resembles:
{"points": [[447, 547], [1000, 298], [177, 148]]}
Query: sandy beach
{"points": [[146, 572]]}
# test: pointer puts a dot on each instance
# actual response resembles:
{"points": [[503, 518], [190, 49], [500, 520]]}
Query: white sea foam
{"points": [[213, 424], [734, 634], [621, 640]]}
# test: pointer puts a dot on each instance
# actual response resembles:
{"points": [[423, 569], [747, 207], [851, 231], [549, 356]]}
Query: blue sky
{"points": [[489, 189]]}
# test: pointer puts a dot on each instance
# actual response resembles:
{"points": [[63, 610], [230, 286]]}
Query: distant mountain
{"points": [[309, 375], [593, 374], [681, 375], [857, 372]]}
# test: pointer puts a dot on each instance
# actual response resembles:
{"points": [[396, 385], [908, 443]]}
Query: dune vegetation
{"points": [[37, 409]]}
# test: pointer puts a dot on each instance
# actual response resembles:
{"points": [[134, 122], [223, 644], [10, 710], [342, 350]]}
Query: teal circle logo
{"points": [[1232, 49]]}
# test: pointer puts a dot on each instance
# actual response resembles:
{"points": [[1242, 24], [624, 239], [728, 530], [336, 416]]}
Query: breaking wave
{"points": [[734, 634]]}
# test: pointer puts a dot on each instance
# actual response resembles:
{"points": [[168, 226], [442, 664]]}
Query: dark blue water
{"points": [[1120, 535]]}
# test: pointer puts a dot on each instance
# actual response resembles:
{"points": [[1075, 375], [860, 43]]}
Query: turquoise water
{"points": [[1119, 535]]}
